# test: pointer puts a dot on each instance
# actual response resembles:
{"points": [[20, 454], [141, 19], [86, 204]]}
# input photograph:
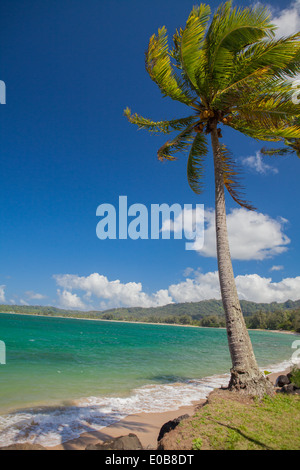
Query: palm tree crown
{"points": [[228, 69]]}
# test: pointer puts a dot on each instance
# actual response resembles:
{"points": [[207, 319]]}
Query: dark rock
{"points": [[130, 442], [282, 380], [23, 447], [167, 427], [289, 376], [290, 389]]}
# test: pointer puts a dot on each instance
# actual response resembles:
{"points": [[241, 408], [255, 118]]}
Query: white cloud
{"points": [[198, 286], [260, 289], [276, 268], [112, 293], [250, 287], [70, 301], [252, 235], [2, 293], [34, 295], [202, 287], [256, 163], [187, 272], [287, 20]]}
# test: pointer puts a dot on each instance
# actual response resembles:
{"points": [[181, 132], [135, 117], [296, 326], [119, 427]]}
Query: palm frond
{"points": [[292, 146], [158, 65], [228, 96], [278, 151], [231, 30], [191, 45], [281, 56], [267, 117], [159, 126], [180, 143], [255, 130], [175, 53], [270, 107], [231, 174], [195, 166]]}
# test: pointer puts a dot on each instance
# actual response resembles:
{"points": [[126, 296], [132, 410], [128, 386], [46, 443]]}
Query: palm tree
{"points": [[230, 71]]}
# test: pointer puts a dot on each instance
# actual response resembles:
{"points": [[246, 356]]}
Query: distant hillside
{"points": [[208, 313], [195, 310], [41, 310], [198, 310]]}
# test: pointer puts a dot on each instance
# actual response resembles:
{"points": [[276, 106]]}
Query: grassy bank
{"points": [[231, 422]]}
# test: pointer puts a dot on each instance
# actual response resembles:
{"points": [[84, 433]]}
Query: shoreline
{"points": [[145, 422], [145, 425], [145, 323]]}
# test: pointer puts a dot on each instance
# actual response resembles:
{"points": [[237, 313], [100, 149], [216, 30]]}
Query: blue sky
{"points": [[70, 68]]}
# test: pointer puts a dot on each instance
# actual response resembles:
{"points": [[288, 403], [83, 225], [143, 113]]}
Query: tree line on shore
{"points": [[206, 313], [288, 320]]}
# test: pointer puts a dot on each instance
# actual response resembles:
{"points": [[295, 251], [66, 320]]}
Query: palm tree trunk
{"points": [[245, 374]]}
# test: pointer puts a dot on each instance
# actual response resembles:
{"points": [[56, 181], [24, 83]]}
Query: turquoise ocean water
{"points": [[63, 376]]}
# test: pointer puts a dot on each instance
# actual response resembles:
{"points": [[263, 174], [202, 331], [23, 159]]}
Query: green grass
{"points": [[295, 378], [230, 422], [197, 444]]}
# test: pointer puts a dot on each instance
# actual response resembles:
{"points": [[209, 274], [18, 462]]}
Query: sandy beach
{"points": [[145, 425]]}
